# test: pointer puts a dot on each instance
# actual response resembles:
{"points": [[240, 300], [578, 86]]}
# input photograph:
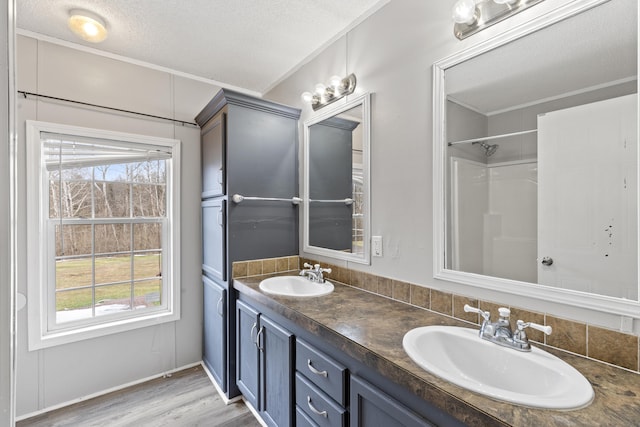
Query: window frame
{"points": [[43, 331]]}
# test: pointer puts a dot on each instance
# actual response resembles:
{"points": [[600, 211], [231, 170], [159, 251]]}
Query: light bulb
{"points": [[87, 25], [336, 81], [307, 97], [505, 1], [464, 11], [320, 89], [90, 28]]}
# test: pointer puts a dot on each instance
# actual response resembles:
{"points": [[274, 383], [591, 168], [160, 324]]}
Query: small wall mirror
{"points": [[536, 159], [336, 182]]}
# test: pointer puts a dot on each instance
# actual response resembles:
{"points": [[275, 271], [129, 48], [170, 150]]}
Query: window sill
{"points": [[52, 339]]}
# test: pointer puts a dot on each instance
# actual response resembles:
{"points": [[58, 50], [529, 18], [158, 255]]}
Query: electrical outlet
{"points": [[376, 244]]}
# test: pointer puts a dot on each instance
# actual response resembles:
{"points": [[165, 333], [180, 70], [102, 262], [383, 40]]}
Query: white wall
{"points": [[6, 335], [391, 53], [56, 375]]}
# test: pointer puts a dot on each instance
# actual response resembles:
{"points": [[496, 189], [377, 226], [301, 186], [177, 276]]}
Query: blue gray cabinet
{"points": [[276, 373], [371, 407], [247, 352], [264, 365], [212, 156], [214, 351], [249, 146], [213, 247]]}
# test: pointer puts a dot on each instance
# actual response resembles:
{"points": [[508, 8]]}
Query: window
{"points": [[103, 234]]}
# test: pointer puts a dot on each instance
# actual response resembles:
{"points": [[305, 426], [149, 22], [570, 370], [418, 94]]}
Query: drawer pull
{"points": [[314, 410], [314, 370]]}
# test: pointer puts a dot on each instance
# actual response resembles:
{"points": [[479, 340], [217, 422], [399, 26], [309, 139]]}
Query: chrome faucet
{"points": [[314, 272], [501, 333]]}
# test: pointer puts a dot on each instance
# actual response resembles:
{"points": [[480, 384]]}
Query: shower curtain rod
{"points": [[487, 138], [182, 122]]}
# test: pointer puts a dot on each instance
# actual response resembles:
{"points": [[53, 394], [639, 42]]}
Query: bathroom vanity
{"points": [[355, 337]]}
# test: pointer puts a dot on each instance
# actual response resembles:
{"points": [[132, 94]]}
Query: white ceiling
{"points": [[244, 44], [591, 50]]}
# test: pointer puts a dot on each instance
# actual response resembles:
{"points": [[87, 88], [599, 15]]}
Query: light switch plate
{"points": [[376, 245]]}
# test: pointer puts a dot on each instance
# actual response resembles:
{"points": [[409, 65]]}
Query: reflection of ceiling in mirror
{"points": [[354, 114], [591, 50]]}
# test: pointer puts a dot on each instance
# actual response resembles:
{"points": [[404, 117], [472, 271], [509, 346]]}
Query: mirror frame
{"points": [[365, 101], [619, 306]]}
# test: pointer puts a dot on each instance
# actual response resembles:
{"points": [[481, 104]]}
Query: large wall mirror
{"points": [[536, 159], [336, 182]]}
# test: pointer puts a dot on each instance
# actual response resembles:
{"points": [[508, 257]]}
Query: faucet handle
{"points": [[522, 325], [307, 265], [485, 314], [504, 312], [325, 270]]}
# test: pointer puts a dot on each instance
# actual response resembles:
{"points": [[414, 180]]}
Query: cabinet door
{"points": [[371, 407], [215, 350], [276, 369], [213, 238], [213, 157], [247, 352]]}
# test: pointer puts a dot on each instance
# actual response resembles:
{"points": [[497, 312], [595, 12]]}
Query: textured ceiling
{"points": [[590, 50], [241, 43]]}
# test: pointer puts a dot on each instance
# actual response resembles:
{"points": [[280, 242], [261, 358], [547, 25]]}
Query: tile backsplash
{"points": [[590, 341]]}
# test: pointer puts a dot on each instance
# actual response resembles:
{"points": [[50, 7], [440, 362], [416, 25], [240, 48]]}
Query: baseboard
{"points": [[222, 394], [107, 391], [254, 412]]}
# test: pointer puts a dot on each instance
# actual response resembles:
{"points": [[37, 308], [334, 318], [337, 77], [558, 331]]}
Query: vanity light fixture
{"points": [[336, 89], [87, 25], [471, 16]]}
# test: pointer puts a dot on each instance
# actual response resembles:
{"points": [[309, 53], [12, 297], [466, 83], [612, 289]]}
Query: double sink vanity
{"points": [[401, 362]]}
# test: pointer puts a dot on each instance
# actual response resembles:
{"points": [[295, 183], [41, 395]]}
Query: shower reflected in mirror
{"points": [[489, 150]]}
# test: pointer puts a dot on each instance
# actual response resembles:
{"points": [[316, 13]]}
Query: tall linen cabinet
{"points": [[249, 148]]}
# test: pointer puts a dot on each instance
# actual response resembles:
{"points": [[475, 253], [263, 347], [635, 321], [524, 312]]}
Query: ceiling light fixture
{"points": [[87, 25], [471, 16], [325, 95]]}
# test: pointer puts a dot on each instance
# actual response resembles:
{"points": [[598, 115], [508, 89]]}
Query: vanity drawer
{"points": [[317, 406], [322, 371], [302, 420]]}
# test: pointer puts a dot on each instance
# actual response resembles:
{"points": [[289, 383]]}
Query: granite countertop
{"points": [[370, 329]]}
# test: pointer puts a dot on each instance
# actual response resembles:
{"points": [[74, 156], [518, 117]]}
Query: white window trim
{"points": [[38, 235]]}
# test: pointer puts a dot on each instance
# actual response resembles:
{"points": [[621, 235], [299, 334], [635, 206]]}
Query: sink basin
{"points": [[536, 379], [295, 286]]}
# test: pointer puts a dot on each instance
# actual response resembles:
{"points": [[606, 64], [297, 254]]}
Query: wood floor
{"points": [[187, 398]]}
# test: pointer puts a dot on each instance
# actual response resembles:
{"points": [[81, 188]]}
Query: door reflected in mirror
{"points": [[538, 152], [336, 215]]}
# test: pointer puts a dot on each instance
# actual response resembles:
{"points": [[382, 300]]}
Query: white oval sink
{"points": [[295, 286], [535, 379]]}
